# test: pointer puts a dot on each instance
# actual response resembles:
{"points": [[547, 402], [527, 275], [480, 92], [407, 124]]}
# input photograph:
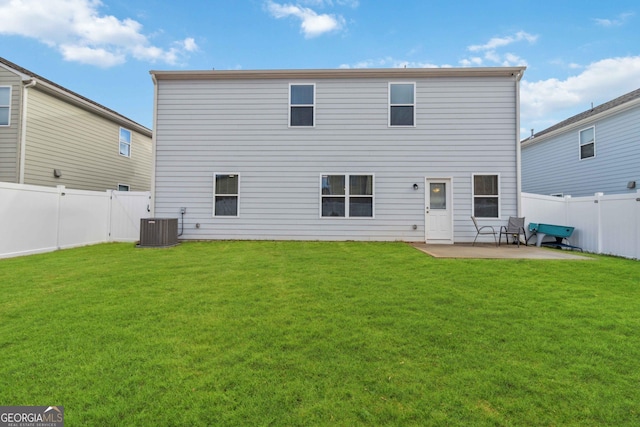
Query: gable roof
{"points": [[73, 97], [600, 109]]}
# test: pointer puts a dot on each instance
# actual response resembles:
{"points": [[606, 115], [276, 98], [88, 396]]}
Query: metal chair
{"points": [[482, 231], [515, 228]]}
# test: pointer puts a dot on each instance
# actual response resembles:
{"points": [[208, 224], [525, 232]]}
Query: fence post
{"points": [[61, 193], [567, 201], [109, 214], [597, 201], [637, 224]]}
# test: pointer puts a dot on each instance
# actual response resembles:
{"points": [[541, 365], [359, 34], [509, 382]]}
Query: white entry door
{"points": [[438, 211]]}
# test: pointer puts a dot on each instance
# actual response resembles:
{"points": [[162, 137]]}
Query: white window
{"points": [[346, 196], [5, 105], [302, 105], [587, 143], [125, 142], [123, 187], [486, 196], [402, 104], [226, 188]]}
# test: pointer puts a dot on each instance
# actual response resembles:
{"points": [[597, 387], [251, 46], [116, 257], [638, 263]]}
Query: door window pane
{"points": [[438, 196]]}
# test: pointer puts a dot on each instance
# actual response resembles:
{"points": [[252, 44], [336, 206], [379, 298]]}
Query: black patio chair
{"points": [[484, 230], [515, 229]]}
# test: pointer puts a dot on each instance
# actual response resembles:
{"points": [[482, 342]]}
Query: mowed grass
{"points": [[312, 333]]}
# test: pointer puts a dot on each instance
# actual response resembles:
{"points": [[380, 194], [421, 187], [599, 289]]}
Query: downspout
{"points": [[518, 148], [23, 129], [153, 146]]}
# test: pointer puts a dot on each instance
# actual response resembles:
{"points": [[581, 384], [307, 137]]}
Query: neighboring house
{"points": [[346, 154], [595, 151], [52, 136]]}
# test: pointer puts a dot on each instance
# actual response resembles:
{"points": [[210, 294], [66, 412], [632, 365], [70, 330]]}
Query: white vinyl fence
{"points": [[36, 219], [604, 224]]}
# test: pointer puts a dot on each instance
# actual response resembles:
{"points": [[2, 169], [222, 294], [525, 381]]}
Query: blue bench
{"points": [[560, 232]]}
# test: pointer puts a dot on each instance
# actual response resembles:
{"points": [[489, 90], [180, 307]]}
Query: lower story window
{"points": [[486, 196], [347, 196], [226, 193], [123, 187]]}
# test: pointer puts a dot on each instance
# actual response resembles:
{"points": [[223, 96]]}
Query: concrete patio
{"points": [[491, 251]]}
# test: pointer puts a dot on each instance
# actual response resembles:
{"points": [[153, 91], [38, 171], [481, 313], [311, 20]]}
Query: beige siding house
{"points": [[52, 136]]}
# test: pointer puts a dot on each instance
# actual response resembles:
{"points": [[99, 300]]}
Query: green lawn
{"points": [[312, 333]]}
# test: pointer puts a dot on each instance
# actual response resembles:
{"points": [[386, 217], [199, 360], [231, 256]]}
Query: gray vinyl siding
{"points": [[83, 145], [552, 165], [10, 135], [463, 126]]}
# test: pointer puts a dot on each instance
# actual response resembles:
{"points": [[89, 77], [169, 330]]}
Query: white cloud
{"points": [[331, 3], [618, 22], [547, 102], [389, 62], [312, 24], [497, 42], [490, 52], [81, 34]]}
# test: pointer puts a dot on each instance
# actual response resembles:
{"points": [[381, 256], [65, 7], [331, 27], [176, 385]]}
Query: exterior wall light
{"points": [[415, 186]]}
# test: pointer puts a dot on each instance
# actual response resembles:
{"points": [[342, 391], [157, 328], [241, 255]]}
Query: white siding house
{"points": [[394, 154], [595, 151]]}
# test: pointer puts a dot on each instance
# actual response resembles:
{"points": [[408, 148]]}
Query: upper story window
{"points": [[226, 188], [125, 142], [402, 104], [5, 105], [587, 143], [302, 105], [347, 196], [486, 196]]}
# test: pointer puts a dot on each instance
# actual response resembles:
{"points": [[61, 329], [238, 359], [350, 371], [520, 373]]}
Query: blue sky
{"points": [[576, 52]]}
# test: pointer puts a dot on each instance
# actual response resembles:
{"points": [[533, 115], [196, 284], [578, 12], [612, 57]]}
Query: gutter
{"points": [[23, 129], [385, 73]]}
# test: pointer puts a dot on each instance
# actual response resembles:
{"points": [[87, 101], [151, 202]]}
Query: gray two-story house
{"points": [[595, 151], [52, 136], [345, 154]]}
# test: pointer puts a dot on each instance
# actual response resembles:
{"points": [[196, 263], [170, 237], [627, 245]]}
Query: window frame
{"points": [[390, 105], [292, 105], [127, 144], [581, 144], [123, 185], [236, 195], [474, 196], [7, 106], [347, 196]]}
